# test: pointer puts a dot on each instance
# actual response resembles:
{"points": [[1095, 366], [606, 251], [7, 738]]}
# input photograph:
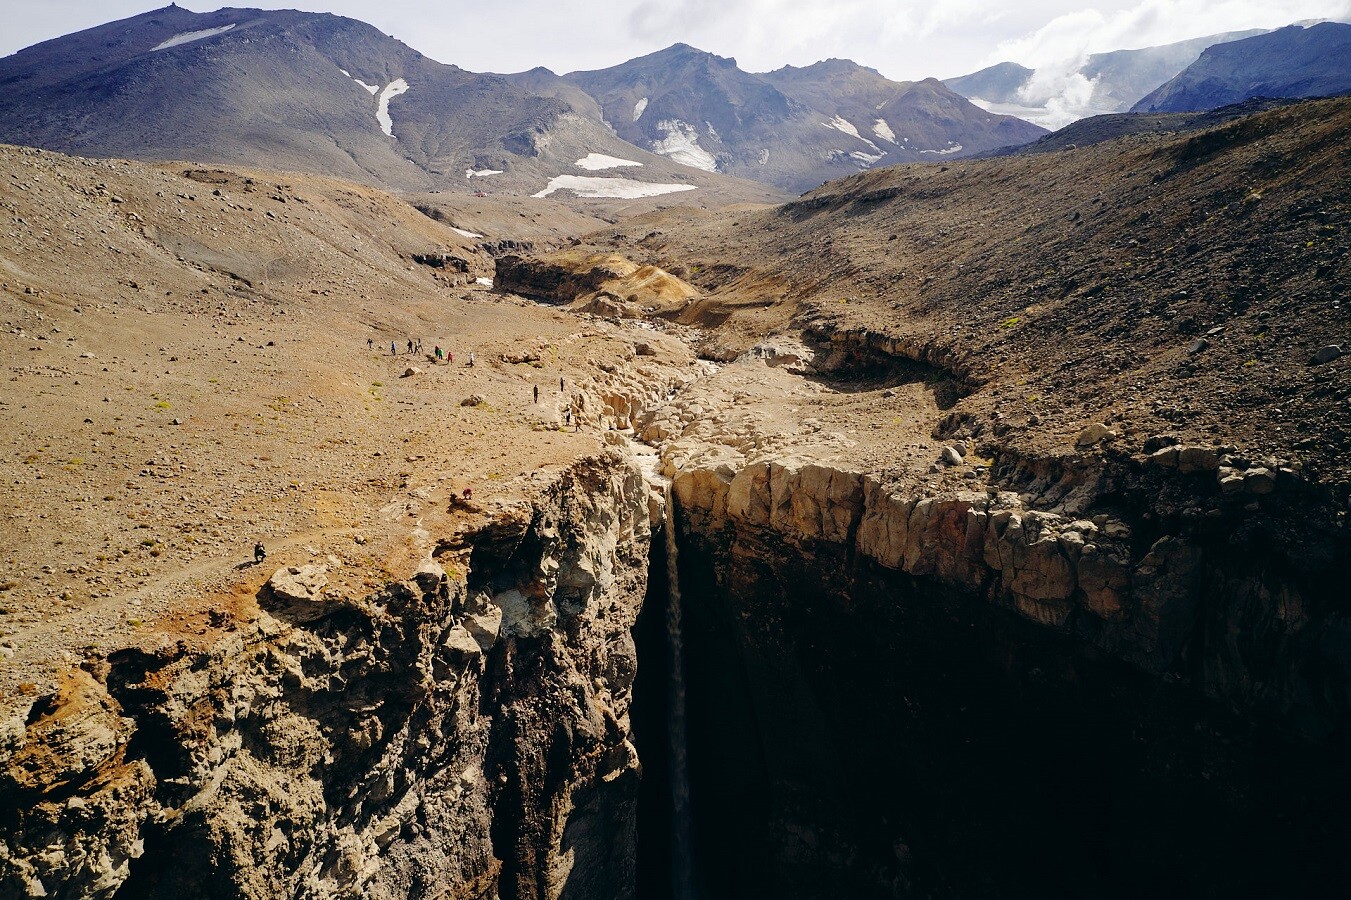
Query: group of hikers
{"points": [[414, 345]]}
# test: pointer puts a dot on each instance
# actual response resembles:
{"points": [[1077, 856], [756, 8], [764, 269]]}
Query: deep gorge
{"points": [[863, 721]]}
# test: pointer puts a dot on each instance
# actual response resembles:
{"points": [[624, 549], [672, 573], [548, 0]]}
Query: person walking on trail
{"points": [[393, 351], [471, 359], [370, 343], [410, 345], [560, 385], [537, 393]]}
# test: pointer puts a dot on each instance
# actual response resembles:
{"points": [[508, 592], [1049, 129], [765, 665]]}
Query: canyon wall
{"points": [[966, 692], [463, 733]]}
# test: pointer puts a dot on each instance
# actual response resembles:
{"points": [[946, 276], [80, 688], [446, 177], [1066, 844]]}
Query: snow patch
{"points": [[597, 188], [764, 156], [595, 162], [681, 144], [188, 37], [392, 90], [481, 173], [486, 282], [952, 147], [848, 128], [462, 233], [372, 89], [883, 130], [866, 159], [839, 124], [638, 109]]}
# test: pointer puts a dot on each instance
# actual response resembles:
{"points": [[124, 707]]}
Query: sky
{"points": [[903, 39]]}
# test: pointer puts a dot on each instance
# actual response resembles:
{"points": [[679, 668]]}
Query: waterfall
{"points": [[681, 867]]}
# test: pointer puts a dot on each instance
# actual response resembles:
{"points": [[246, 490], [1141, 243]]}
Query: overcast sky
{"points": [[904, 39]]}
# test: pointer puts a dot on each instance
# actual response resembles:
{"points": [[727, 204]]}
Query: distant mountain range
{"points": [[1290, 62], [794, 127], [320, 93], [1104, 83]]}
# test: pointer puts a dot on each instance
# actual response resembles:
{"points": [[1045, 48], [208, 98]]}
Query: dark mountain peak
{"points": [[679, 54], [825, 67], [1289, 62]]}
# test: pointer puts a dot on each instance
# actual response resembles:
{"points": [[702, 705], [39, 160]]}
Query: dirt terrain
{"points": [[188, 373]]}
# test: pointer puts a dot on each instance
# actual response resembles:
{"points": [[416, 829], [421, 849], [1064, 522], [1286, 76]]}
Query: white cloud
{"points": [[1148, 23]]}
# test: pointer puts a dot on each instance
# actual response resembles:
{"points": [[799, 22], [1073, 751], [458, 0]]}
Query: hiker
{"points": [[537, 393], [567, 417], [410, 345], [471, 359], [370, 343], [560, 385], [436, 351], [468, 493], [259, 553], [393, 351]]}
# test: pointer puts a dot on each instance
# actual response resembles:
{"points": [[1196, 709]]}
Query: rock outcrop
{"points": [[461, 733], [1145, 589]]}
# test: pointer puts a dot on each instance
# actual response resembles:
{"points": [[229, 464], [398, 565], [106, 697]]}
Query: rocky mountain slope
{"points": [[1291, 62], [322, 94], [793, 127]]}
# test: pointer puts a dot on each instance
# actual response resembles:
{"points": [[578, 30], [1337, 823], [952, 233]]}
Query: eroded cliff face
{"points": [[463, 733], [1103, 676]]}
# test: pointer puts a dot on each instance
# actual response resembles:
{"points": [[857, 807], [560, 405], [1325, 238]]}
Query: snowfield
{"points": [[188, 37], [681, 144], [481, 173], [638, 109], [883, 130], [595, 162], [372, 89], [840, 124], [462, 233], [590, 187], [952, 147], [392, 90]]}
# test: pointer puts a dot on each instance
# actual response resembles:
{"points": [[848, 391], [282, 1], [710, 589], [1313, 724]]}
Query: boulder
{"points": [[1094, 434], [296, 593], [1327, 354], [1198, 459]]}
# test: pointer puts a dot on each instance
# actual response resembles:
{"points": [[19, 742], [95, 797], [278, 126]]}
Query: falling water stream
{"points": [[681, 869]]}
